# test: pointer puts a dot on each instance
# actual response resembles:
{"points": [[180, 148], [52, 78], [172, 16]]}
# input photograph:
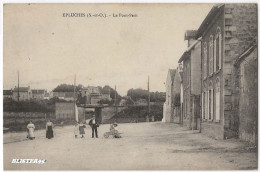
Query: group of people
{"points": [[79, 128], [31, 128]]}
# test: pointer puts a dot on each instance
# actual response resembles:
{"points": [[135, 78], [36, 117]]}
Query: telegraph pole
{"points": [[115, 99], [74, 100], [18, 87], [148, 115]]}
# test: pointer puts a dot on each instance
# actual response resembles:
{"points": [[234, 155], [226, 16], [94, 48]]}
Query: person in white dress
{"points": [[31, 128]]}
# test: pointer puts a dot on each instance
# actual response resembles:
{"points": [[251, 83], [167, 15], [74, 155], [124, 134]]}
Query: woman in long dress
{"points": [[31, 128], [49, 129], [81, 129]]}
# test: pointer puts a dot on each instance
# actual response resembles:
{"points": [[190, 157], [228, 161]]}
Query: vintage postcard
{"points": [[127, 86]]}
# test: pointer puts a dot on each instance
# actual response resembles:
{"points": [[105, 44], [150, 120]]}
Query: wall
{"points": [[167, 108], [240, 31], [248, 101], [213, 128], [196, 70], [186, 93], [64, 110]]}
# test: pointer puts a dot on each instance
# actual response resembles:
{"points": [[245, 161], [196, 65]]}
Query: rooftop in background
{"points": [[38, 91], [7, 92], [21, 89]]}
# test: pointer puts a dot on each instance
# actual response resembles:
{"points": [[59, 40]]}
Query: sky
{"points": [[48, 49]]}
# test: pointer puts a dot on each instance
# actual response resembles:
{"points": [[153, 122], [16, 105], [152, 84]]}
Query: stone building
{"points": [[168, 105], [25, 93], [247, 83], [226, 32], [191, 60], [176, 95], [38, 94]]}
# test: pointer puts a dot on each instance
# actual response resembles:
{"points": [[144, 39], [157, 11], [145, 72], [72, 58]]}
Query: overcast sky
{"points": [[49, 49]]}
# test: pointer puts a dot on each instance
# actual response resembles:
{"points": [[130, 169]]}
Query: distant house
{"points": [[168, 105], [68, 96], [176, 93], [191, 60], [38, 94], [93, 95], [25, 93], [7, 94], [46, 96]]}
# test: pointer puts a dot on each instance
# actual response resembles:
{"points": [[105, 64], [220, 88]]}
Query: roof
{"points": [[7, 92], [209, 18], [38, 91], [69, 94], [21, 89], [190, 34], [187, 52], [172, 73], [245, 53]]}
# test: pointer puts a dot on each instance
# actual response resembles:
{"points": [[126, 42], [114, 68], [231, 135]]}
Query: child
{"points": [[76, 130], [81, 129]]}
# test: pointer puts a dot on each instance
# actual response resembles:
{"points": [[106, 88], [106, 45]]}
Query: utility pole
{"points": [[148, 115], [115, 99], [18, 87], [74, 99]]}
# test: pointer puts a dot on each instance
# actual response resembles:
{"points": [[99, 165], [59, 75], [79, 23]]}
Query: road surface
{"points": [[144, 146]]}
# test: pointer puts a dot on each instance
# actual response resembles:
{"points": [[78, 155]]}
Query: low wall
{"points": [[213, 130]]}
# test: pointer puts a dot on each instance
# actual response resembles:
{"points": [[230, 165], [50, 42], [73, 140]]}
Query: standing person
{"points": [[93, 124], [49, 129], [76, 130], [81, 129], [31, 128]]}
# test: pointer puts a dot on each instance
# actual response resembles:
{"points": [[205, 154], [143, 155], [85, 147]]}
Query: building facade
{"points": [[168, 105], [38, 94], [227, 31], [176, 93], [191, 60], [24, 93]]}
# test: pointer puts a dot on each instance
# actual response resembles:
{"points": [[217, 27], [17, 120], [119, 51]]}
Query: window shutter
{"points": [[202, 103], [217, 105], [212, 94], [220, 53], [208, 110], [215, 55]]}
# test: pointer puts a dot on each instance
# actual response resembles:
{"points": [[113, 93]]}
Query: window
{"points": [[217, 101], [217, 48], [205, 58], [210, 102], [211, 55]]}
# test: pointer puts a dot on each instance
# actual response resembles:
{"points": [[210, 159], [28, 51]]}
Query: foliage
{"points": [[29, 106], [67, 88], [139, 93]]}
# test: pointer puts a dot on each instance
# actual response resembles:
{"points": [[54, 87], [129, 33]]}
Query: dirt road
{"points": [[144, 146]]}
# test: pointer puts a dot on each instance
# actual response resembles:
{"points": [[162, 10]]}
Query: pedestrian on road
{"points": [[49, 129], [76, 129], [93, 124], [81, 129], [31, 128]]}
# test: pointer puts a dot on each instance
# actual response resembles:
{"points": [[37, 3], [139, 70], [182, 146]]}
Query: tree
{"points": [[67, 88]]}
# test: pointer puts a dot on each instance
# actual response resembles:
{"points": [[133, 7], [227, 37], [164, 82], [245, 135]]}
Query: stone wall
{"points": [[248, 100], [240, 32]]}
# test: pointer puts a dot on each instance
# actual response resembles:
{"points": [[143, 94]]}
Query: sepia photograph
{"points": [[130, 86]]}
